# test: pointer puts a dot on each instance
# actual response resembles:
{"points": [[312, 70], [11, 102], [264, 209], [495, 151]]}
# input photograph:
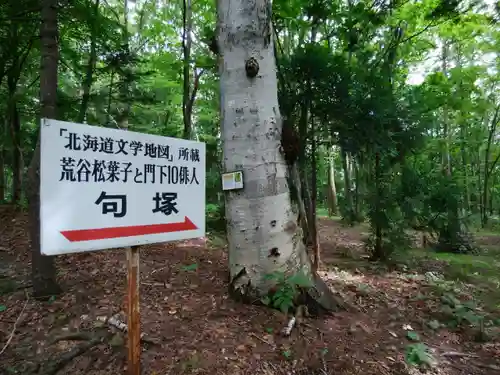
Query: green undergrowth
{"points": [[475, 275], [7, 285]]}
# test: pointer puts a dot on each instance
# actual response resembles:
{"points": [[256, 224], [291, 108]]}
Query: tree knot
{"points": [[251, 67]]}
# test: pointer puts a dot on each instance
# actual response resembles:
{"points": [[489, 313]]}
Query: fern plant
{"points": [[286, 290]]}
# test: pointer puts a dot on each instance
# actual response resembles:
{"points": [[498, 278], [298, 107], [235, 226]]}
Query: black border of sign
{"points": [[242, 175]]}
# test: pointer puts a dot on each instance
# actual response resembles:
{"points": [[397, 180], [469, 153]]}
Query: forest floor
{"points": [[196, 329]]}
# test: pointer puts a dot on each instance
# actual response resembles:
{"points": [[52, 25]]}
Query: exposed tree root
{"points": [[72, 336], [319, 299], [67, 357], [91, 340]]}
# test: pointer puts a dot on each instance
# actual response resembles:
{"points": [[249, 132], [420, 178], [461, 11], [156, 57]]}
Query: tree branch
{"points": [[15, 326]]}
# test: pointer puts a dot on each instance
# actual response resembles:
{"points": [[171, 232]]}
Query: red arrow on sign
{"points": [[136, 230]]}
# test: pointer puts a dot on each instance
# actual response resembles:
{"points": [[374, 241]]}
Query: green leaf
{"points": [[3, 308], [278, 301], [418, 354], [285, 306], [52, 299], [265, 300], [301, 280], [470, 305], [412, 336], [433, 324], [191, 267]]}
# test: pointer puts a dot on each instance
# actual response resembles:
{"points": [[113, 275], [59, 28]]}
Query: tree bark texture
{"points": [[43, 268], [263, 234], [332, 190]]}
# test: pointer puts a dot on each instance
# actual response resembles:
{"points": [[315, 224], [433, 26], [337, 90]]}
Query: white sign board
{"points": [[232, 180], [105, 188]]}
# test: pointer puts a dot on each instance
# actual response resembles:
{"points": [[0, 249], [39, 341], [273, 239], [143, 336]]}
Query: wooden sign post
{"points": [[104, 188], [133, 313]]}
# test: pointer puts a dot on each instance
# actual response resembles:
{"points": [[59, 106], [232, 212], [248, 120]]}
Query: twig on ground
{"points": [[491, 367], [263, 340], [458, 354], [324, 370], [73, 336], [68, 356], [154, 284], [15, 326], [320, 332], [157, 270], [24, 286]]}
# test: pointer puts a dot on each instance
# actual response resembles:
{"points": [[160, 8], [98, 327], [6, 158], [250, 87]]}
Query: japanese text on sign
{"points": [[109, 178]]}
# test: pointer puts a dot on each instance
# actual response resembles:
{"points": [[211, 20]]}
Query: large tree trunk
{"points": [[43, 268], [260, 218], [263, 233]]}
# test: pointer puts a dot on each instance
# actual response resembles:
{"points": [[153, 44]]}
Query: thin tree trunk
{"points": [[110, 99], [17, 173], [13, 113], [356, 190], [332, 190], [347, 185], [488, 168], [463, 141], [89, 75], [2, 160], [123, 120], [465, 169], [306, 193], [186, 48], [479, 187], [190, 104], [43, 268], [378, 251], [446, 150]]}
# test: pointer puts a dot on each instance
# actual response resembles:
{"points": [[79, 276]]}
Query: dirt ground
{"points": [[194, 328]]}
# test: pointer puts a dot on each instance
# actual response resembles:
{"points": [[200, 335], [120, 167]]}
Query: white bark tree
{"points": [[263, 233]]}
